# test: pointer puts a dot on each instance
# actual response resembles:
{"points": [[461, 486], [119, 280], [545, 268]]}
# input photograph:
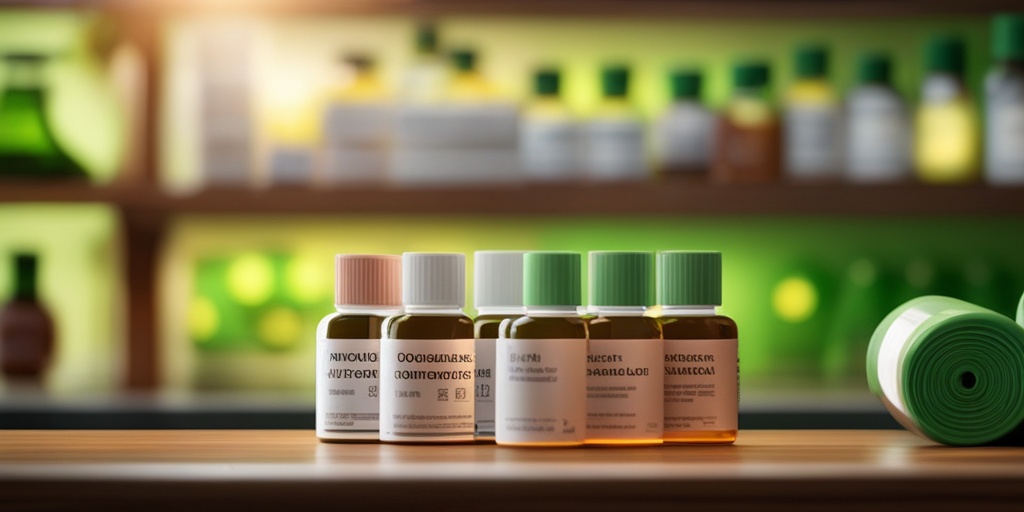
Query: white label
{"points": [[347, 385], [812, 141], [1006, 145], [701, 385], [549, 148], [625, 379], [541, 391], [878, 137], [357, 124], [614, 149], [426, 390], [485, 386], [684, 138]]}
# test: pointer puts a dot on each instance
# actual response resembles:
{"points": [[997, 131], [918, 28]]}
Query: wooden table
{"points": [[240, 470]]}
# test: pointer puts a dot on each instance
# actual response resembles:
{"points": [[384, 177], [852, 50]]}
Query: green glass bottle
{"points": [[28, 147]]}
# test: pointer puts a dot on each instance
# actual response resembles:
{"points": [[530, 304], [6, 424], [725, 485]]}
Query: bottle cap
{"points": [[946, 54], [685, 84], [1008, 37], [690, 278], [811, 61], [621, 278], [464, 59], [547, 82], [615, 81], [551, 278], [498, 279], [426, 38], [874, 68], [367, 280], [434, 279], [750, 74]]}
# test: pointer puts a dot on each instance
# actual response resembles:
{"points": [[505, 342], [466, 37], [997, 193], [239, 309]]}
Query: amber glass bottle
{"points": [[541, 380], [367, 289], [748, 144], [498, 292], [701, 350], [625, 373], [26, 329], [427, 356]]}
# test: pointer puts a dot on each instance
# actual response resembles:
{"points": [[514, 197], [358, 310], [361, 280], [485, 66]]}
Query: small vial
{"points": [[542, 358], [426, 355], [748, 143], [498, 291], [701, 350], [625, 369], [367, 289]]}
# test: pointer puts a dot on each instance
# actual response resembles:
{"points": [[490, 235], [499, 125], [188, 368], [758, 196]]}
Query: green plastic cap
{"points": [[621, 278], [750, 75], [685, 84], [875, 68], [1008, 37], [551, 278], [946, 54], [426, 38], [464, 59], [811, 61], [547, 82], [615, 81], [690, 278]]}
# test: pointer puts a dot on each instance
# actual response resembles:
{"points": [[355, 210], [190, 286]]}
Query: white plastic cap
{"points": [[434, 279], [498, 279]]}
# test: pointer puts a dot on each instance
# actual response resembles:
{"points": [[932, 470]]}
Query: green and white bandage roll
{"points": [[950, 371]]}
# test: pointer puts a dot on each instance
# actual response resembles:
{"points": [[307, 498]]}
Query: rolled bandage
{"points": [[950, 371]]}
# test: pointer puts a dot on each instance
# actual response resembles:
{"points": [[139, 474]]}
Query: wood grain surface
{"points": [[769, 470]]}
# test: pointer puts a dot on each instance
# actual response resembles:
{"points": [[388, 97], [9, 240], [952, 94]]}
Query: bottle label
{"points": [[812, 141], [878, 140], [485, 348], [541, 391], [615, 149], [701, 385], [624, 383], [1005, 156], [548, 149], [347, 385], [426, 389], [685, 139]]}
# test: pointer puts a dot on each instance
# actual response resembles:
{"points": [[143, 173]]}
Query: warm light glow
{"points": [[280, 328], [795, 299], [307, 280], [203, 319], [251, 279]]}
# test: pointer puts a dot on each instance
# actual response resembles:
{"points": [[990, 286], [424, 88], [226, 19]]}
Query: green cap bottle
{"points": [[426, 39], [1008, 37], [615, 81], [547, 82], [811, 61], [621, 278], [690, 278], [750, 75], [946, 54], [874, 68], [464, 59], [551, 278], [685, 84]]}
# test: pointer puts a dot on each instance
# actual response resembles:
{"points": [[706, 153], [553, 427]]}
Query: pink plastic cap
{"points": [[368, 280]]}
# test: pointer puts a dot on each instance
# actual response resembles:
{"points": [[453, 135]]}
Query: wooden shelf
{"points": [[571, 199]]}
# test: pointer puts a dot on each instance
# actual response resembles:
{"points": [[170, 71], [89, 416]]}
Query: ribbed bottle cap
{"points": [[434, 279], [685, 84], [547, 82], [875, 68], [750, 75], [946, 54], [811, 61], [464, 59], [689, 278], [498, 279], [367, 280], [621, 278], [1008, 37], [615, 81], [551, 278]]}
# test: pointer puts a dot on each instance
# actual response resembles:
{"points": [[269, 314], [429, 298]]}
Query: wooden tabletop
{"points": [[772, 470]]}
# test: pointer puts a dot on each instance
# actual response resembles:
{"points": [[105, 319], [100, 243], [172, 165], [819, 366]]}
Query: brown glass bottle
{"points": [[26, 328], [748, 140]]}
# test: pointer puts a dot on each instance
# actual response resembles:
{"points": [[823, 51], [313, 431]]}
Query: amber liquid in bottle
{"points": [[487, 327], [747, 153], [343, 326], [625, 328], [699, 327], [26, 329]]}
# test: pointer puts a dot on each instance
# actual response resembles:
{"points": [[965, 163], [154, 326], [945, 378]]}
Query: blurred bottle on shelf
{"points": [[946, 148], [1004, 103], [471, 136], [811, 120], [357, 127], [28, 147], [225, 57], [684, 134], [860, 306], [747, 148], [548, 132], [426, 77], [878, 131], [613, 139], [26, 328]]}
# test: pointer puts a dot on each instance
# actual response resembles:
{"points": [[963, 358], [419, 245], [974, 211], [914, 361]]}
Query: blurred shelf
{"points": [[639, 8], [570, 199]]}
